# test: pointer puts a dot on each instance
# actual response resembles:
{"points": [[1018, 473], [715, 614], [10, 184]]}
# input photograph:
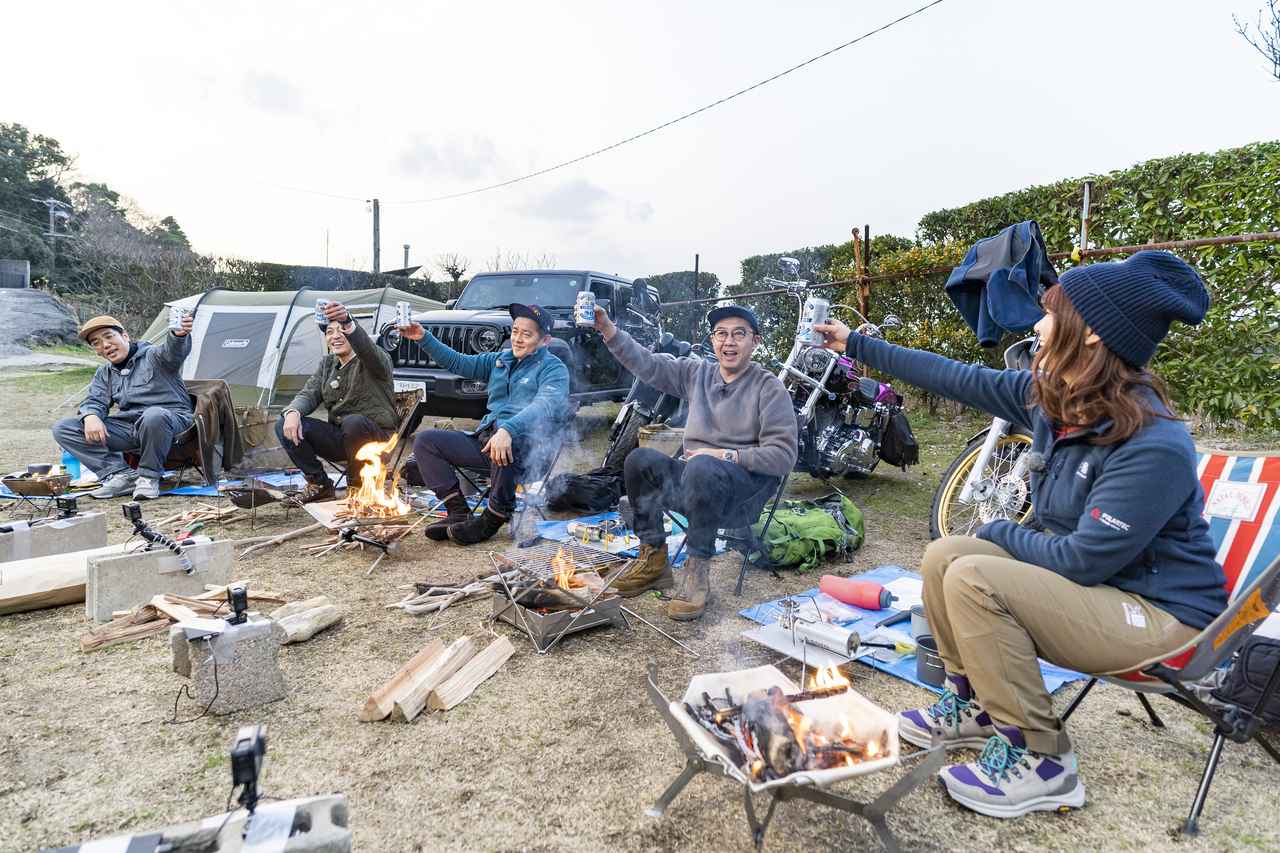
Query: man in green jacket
{"points": [[353, 383]]}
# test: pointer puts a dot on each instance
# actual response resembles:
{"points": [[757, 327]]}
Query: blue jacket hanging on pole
{"points": [[997, 287]]}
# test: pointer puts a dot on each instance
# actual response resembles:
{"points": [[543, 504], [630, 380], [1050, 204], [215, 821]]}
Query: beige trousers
{"points": [[993, 616]]}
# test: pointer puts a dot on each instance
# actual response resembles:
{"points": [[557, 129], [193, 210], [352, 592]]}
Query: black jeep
{"points": [[478, 322]]}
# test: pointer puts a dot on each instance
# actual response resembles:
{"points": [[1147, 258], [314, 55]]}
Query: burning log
{"points": [[727, 714], [766, 715]]}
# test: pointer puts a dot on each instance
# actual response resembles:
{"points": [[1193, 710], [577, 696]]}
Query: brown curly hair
{"points": [[1101, 386]]}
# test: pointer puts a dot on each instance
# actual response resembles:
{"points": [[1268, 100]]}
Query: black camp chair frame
{"points": [[1235, 723]]}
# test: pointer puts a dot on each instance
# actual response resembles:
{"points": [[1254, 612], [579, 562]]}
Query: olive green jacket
{"points": [[362, 387]]}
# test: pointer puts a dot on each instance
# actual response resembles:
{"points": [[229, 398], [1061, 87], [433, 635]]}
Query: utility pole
{"points": [[377, 239], [696, 294], [326, 247], [58, 210], [406, 256]]}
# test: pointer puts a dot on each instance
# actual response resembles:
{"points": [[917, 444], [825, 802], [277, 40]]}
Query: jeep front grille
{"points": [[459, 337]]}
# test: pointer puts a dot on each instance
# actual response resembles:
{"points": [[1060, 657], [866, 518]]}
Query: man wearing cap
{"points": [[739, 440], [144, 384], [528, 393], [353, 383]]}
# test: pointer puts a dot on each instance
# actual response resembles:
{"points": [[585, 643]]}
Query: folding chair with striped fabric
{"points": [[1242, 506]]}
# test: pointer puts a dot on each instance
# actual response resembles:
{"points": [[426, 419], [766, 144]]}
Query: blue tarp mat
{"points": [[904, 667]]}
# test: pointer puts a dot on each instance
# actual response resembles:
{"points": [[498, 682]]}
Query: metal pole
{"points": [[406, 256], [1084, 217], [377, 239], [326, 247]]}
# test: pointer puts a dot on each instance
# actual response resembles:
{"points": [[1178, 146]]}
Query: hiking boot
{"points": [[691, 599], [117, 485], [458, 512], [477, 529], [957, 723], [1009, 781], [652, 570], [315, 491], [145, 489]]}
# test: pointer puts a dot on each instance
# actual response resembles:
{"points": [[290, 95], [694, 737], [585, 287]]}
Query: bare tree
{"points": [[506, 261], [453, 265], [1267, 39]]}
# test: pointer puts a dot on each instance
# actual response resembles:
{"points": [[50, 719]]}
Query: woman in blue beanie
{"points": [[1117, 569]]}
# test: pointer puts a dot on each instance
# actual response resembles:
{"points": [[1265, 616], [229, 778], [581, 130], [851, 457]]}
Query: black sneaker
{"points": [[476, 530]]}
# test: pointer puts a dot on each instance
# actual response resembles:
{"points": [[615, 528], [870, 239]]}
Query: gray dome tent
{"points": [[265, 344]]}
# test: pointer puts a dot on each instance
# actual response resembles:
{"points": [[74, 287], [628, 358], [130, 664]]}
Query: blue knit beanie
{"points": [[1130, 304]]}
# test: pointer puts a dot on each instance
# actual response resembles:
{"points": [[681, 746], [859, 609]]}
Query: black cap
{"points": [[534, 313], [715, 315]]}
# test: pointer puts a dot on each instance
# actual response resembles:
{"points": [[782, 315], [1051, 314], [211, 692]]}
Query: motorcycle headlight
{"points": [[815, 361], [488, 340]]}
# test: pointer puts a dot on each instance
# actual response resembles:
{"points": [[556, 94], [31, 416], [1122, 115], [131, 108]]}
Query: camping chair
{"points": [[1241, 505], [185, 452], [742, 538]]}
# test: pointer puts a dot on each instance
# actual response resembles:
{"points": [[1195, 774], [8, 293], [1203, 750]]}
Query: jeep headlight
{"points": [[488, 340], [391, 339]]}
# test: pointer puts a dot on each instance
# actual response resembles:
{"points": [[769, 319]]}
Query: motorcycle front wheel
{"points": [[1004, 495]]}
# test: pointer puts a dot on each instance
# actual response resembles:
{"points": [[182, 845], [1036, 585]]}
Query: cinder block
{"points": [[22, 540], [318, 825], [128, 580], [246, 658]]}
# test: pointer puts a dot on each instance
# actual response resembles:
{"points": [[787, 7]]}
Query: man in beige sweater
{"points": [[740, 438]]}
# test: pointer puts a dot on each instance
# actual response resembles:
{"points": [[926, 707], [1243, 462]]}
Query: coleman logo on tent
{"points": [[235, 343]]}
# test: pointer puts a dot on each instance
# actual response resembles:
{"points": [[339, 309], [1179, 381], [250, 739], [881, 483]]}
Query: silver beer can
{"points": [[176, 315], [815, 311], [404, 314], [584, 308], [321, 320]]}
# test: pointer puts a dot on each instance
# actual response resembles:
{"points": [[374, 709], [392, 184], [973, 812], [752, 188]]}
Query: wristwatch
{"points": [[729, 455]]}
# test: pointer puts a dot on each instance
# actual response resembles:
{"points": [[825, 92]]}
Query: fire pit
{"points": [[556, 589], [760, 729]]}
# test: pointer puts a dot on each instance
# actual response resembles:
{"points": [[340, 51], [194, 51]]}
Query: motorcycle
{"points": [[990, 479], [844, 417]]}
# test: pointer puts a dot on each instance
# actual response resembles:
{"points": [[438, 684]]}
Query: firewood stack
{"points": [[161, 611]]}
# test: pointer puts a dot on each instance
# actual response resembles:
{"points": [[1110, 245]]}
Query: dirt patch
{"points": [[560, 752]]}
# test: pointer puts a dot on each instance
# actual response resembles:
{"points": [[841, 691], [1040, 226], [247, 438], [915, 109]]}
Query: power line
{"points": [[675, 120]]}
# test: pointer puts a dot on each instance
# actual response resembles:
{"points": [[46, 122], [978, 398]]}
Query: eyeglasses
{"points": [[739, 335]]}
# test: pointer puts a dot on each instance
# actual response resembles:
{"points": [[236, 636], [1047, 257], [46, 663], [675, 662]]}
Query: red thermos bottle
{"points": [[868, 595]]}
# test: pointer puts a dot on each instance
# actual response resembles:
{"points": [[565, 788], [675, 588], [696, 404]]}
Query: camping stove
{"points": [[545, 629]]}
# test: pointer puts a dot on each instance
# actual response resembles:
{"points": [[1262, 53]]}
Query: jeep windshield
{"points": [[499, 291]]}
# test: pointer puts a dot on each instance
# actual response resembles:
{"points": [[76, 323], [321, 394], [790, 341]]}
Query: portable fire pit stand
{"points": [[930, 762]]}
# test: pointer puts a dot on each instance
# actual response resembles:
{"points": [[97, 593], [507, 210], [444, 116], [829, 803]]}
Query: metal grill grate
{"points": [[536, 560]]}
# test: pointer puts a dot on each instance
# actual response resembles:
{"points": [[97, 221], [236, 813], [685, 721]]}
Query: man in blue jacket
{"points": [[528, 392], [144, 384]]}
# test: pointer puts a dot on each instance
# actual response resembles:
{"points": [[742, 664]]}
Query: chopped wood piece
{"points": [[299, 607], [283, 537], [379, 704], [411, 703], [305, 625], [467, 679], [175, 611]]}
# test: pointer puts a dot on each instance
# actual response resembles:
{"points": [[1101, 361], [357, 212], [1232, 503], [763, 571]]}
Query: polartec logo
{"points": [[1109, 520], [1083, 471]]}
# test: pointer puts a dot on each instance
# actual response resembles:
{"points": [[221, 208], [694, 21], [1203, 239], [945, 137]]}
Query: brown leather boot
{"points": [[458, 511], [315, 491], [652, 570], [695, 591]]}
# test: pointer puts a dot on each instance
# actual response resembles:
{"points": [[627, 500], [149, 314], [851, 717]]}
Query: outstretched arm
{"points": [[667, 374]]}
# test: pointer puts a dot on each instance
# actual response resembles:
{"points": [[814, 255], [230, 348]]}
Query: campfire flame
{"points": [[563, 565], [829, 676], [374, 499]]}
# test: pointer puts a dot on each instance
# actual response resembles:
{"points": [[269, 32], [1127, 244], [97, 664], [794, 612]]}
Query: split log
{"points": [[410, 704], [99, 638], [175, 611], [40, 582], [283, 537], [467, 679], [299, 607], [300, 627], [379, 704]]}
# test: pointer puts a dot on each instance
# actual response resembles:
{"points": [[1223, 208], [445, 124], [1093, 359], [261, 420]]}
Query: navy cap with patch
{"points": [[534, 313], [715, 315]]}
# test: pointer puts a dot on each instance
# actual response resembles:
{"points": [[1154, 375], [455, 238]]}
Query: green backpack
{"points": [[804, 533]]}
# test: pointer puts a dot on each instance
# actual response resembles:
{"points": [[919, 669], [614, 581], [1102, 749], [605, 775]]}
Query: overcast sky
{"points": [[206, 110]]}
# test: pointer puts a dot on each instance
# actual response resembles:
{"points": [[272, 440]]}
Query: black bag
{"points": [[898, 444], [594, 491], [1254, 664]]}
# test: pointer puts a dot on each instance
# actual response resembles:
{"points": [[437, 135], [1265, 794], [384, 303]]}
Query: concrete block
{"points": [[23, 540], [246, 658], [126, 581], [316, 825]]}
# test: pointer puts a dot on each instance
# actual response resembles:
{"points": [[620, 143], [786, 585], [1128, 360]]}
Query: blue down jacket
{"points": [[997, 287]]}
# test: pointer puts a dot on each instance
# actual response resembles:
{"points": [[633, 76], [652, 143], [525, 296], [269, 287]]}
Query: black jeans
{"points": [[323, 440], [711, 493], [439, 451]]}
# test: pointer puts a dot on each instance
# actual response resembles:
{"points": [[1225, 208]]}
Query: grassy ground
{"points": [[560, 752]]}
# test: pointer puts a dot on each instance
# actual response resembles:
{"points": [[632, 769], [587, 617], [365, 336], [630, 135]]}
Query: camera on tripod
{"points": [[248, 753]]}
